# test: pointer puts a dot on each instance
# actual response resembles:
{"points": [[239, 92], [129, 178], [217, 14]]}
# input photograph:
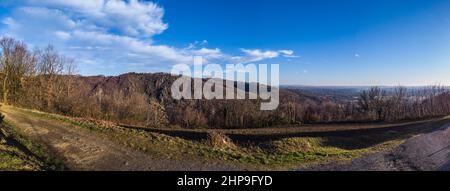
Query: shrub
{"points": [[219, 140]]}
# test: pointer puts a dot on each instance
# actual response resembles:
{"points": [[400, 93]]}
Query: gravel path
{"points": [[427, 152]]}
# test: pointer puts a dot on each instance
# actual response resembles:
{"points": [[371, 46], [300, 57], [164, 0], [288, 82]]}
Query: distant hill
{"points": [[337, 93]]}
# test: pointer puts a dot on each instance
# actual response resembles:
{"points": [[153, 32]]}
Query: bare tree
{"points": [[16, 65], [7, 45], [372, 102]]}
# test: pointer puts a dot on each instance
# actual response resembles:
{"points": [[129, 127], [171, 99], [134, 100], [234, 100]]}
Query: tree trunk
{"points": [[5, 90]]}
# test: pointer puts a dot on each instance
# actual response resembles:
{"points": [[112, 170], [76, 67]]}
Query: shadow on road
{"points": [[346, 139]]}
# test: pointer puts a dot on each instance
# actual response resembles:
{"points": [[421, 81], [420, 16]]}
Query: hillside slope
{"points": [[145, 100]]}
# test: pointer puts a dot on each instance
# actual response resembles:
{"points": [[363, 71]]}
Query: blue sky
{"points": [[320, 42]]}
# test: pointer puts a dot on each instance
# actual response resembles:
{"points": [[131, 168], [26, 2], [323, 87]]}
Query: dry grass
{"points": [[219, 140]]}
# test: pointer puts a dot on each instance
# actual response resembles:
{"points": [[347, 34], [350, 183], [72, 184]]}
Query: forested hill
{"points": [[145, 99]]}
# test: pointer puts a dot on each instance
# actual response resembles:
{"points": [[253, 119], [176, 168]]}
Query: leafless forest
{"points": [[45, 80]]}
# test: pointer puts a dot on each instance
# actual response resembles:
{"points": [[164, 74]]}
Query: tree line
{"points": [[45, 80], [34, 78], [376, 104]]}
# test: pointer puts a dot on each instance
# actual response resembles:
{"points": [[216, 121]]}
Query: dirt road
{"points": [[81, 149], [427, 152]]}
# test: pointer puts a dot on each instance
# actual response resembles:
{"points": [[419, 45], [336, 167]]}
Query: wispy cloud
{"points": [[255, 55], [258, 55]]}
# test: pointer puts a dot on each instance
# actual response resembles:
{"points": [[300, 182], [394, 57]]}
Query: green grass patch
{"points": [[12, 157], [35, 151]]}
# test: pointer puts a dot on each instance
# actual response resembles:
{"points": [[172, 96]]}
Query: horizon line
{"points": [[287, 84]]}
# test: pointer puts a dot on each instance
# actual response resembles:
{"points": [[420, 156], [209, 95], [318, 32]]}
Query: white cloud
{"points": [[258, 55], [71, 4], [8, 21], [97, 33], [133, 18], [111, 36], [197, 44], [287, 52], [62, 35], [208, 53]]}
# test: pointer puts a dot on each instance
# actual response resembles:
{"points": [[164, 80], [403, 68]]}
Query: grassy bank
{"points": [[16, 153]]}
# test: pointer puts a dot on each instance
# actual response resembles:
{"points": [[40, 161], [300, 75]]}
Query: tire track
{"points": [[82, 150]]}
